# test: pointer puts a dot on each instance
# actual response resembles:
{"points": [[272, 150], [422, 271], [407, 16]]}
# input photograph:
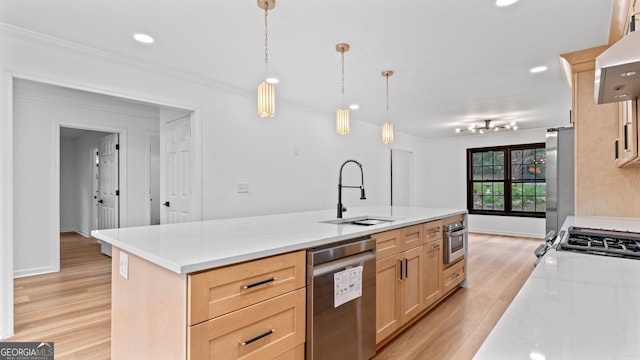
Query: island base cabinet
{"points": [[272, 329]]}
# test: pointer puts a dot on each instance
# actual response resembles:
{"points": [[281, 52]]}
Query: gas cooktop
{"points": [[602, 242]]}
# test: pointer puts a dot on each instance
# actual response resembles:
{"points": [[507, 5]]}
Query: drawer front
{"points": [[388, 243], [221, 291], [266, 330], [453, 219], [293, 354], [453, 275], [412, 236], [433, 231]]}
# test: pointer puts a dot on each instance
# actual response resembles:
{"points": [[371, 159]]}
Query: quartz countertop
{"points": [[573, 306], [190, 247]]}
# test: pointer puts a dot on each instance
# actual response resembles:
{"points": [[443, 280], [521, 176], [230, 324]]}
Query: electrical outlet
{"points": [[243, 188], [124, 265]]}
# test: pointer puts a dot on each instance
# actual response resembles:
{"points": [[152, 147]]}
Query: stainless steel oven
{"points": [[455, 238]]}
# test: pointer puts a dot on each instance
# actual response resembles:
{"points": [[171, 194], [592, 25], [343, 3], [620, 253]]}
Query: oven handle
{"points": [[456, 232]]}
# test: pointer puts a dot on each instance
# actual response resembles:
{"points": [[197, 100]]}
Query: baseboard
{"points": [[33, 271], [65, 230], [506, 233]]}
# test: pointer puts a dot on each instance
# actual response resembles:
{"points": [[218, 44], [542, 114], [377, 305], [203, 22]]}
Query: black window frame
{"points": [[508, 181]]}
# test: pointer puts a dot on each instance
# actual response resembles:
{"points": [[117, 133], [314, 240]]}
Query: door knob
{"points": [[166, 203], [100, 201]]}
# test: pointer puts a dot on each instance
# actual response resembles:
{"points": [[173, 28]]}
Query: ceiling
{"points": [[455, 62]]}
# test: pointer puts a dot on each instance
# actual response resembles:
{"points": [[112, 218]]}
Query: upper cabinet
{"points": [[627, 142]]}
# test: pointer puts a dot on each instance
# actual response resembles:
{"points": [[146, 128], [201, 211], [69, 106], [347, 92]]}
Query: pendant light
{"points": [[266, 91], [387, 127], [342, 114]]}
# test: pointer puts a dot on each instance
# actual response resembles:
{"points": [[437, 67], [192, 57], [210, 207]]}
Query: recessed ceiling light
{"points": [[505, 2], [354, 106], [538, 69], [272, 80], [143, 38]]}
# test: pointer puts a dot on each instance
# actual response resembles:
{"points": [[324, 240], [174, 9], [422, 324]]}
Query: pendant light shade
{"points": [[387, 133], [342, 121], [266, 100], [342, 114], [266, 91], [387, 127]]}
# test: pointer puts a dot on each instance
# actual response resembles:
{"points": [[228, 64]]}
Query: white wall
{"points": [[39, 111], [446, 171], [68, 185]]}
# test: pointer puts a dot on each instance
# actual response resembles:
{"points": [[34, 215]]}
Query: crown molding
{"points": [[41, 39]]}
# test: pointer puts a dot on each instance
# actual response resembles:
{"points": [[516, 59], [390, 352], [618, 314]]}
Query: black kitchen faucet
{"points": [[341, 208]]}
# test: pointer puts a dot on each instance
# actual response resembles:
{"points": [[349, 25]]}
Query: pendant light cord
{"points": [[387, 97], [266, 33], [342, 77]]}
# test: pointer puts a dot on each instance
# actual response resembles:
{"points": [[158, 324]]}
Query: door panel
{"points": [[108, 183], [178, 171]]}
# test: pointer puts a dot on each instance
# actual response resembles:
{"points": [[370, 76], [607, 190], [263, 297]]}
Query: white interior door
{"points": [[108, 183], [177, 198], [401, 178], [95, 187]]}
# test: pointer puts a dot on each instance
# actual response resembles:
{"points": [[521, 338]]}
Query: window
{"points": [[507, 180]]}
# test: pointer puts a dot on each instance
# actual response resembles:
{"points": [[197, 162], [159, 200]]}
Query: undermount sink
{"points": [[361, 220]]}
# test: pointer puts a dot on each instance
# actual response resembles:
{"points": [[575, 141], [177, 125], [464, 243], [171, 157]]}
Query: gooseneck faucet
{"points": [[341, 208]]}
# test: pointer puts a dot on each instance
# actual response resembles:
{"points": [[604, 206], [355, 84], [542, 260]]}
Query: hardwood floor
{"points": [[72, 308], [455, 329]]}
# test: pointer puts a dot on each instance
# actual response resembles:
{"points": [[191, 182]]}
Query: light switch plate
{"points": [[124, 265], [243, 187]]}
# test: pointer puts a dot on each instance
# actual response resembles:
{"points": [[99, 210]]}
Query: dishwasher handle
{"points": [[341, 264], [321, 255]]}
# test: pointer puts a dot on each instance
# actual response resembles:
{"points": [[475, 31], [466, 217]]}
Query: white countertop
{"points": [[195, 246], [573, 306]]}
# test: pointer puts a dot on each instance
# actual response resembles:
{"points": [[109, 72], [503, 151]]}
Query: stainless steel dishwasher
{"points": [[341, 301]]}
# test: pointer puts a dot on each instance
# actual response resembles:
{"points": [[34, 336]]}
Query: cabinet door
{"points": [[387, 290], [627, 132], [412, 282], [432, 273]]}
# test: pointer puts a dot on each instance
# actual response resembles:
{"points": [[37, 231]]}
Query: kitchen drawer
{"points": [[388, 243], [293, 354], [220, 291], [265, 330], [412, 236], [453, 275], [433, 231]]}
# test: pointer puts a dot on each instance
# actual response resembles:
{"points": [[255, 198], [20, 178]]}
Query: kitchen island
{"points": [[172, 284], [573, 306]]}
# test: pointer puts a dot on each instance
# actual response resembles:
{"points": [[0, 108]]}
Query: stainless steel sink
{"points": [[366, 220]]}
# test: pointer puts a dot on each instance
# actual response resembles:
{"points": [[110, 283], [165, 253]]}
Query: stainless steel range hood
{"points": [[618, 71]]}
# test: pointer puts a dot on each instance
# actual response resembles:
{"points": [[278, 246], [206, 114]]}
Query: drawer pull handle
{"points": [[256, 338], [436, 246], [457, 275], [260, 283]]}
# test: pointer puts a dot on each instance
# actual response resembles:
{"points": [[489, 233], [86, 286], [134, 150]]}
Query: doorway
{"points": [[31, 202], [401, 178]]}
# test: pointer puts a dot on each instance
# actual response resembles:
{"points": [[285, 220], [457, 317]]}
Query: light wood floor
{"points": [[72, 308]]}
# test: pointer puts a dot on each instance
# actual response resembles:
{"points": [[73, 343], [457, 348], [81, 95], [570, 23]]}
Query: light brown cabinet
{"points": [[399, 276], [453, 275], [627, 141], [252, 310], [432, 290]]}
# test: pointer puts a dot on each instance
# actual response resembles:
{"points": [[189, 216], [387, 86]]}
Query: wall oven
{"points": [[454, 242]]}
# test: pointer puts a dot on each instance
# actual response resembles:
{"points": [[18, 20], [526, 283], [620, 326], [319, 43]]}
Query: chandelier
{"points": [[489, 126], [266, 91]]}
